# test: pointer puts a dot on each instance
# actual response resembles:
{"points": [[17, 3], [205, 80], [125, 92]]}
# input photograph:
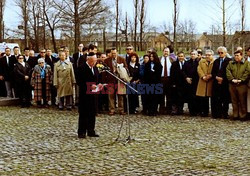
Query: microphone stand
{"points": [[129, 139]]}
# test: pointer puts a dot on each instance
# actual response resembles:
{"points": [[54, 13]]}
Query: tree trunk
{"points": [[142, 19], [116, 23], [135, 24], [53, 39], [77, 25], [104, 40], [175, 23], [224, 22], [25, 24], [126, 29], [1, 21]]}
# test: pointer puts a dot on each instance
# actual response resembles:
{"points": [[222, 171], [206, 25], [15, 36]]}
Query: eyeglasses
{"points": [[220, 52], [128, 49], [42, 52], [41, 62]]}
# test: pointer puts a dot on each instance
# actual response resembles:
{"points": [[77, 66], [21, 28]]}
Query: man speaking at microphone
{"points": [[87, 79]]}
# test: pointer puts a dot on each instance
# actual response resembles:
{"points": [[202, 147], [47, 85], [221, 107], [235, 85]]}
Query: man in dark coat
{"points": [[178, 83], [22, 72], [192, 79], [220, 91], [6, 71], [32, 61], [87, 81], [51, 60]]}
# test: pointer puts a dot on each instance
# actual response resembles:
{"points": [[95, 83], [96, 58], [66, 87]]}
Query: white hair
{"points": [[224, 49], [194, 51], [91, 56], [40, 60], [209, 51]]}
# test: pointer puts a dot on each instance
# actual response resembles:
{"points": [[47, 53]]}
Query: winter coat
{"points": [[64, 78], [204, 88], [36, 82]]}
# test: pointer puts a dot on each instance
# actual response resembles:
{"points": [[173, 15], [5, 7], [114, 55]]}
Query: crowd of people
{"points": [[168, 81]]}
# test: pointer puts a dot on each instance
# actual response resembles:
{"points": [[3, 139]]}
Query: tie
{"points": [[221, 61], [182, 63], [165, 68]]}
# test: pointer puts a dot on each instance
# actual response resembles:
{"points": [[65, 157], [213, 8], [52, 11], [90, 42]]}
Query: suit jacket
{"points": [[177, 75], [51, 61], [20, 72], [108, 62], [6, 70], [152, 76], [220, 72], [134, 72], [84, 80], [32, 61], [75, 58]]}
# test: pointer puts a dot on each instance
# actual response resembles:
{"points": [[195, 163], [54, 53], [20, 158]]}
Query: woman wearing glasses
{"points": [[22, 73], [41, 81]]}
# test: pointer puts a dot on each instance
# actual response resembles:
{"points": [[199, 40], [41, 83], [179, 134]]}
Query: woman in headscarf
{"points": [[41, 81]]}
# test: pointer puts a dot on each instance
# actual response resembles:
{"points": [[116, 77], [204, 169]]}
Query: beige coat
{"points": [[64, 78], [204, 88]]}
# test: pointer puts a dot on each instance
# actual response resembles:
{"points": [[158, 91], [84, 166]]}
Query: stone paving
{"points": [[44, 142]]}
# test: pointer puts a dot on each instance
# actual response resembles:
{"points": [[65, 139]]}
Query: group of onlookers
{"points": [[168, 81]]}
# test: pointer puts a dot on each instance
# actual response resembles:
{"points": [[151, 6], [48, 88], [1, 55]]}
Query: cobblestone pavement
{"points": [[44, 142]]}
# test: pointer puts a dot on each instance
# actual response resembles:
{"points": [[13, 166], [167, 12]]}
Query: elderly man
{"points": [[87, 81], [64, 80], [204, 88], [192, 78], [238, 74], [112, 64], [220, 91]]}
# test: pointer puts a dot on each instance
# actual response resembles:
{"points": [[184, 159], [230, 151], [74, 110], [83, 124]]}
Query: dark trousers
{"points": [[24, 93], [152, 102], [193, 100], [53, 94], [144, 103], [193, 105], [103, 102], [133, 101], [204, 106], [239, 100], [178, 100], [166, 106], [86, 123], [220, 101]]}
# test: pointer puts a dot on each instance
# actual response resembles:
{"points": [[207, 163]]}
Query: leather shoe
{"points": [[111, 113], [93, 135], [82, 136], [122, 113]]}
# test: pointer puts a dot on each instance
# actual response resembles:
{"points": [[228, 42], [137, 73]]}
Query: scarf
{"points": [[43, 72]]}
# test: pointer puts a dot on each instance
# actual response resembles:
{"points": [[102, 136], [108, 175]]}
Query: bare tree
{"points": [[142, 22], [175, 20], [2, 5], [76, 13], [52, 17], [135, 23], [243, 14]]}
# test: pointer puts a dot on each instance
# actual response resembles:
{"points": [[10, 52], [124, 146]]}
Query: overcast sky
{"points": [[203, 13]]}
